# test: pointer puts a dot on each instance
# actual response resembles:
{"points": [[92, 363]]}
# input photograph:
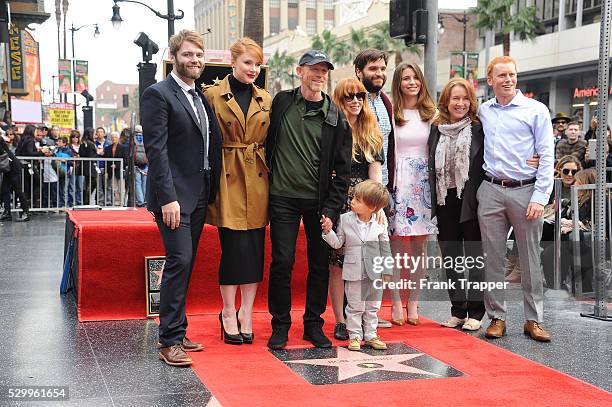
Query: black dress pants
{"points": [[460, 241], [12, 180], [181, 246], [285, 217]]}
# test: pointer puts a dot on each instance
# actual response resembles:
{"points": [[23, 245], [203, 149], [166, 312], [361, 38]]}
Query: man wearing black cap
{"points": [[308, 139]]}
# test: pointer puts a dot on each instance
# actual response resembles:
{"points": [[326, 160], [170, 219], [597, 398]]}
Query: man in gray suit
{"points": [[513, 193], [366, 243]]}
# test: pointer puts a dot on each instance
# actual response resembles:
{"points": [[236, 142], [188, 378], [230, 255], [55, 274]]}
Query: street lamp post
{"points": [[170, 16], [73, 30]]}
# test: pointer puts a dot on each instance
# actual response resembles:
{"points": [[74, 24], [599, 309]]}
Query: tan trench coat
{"points": [[242, 201]]}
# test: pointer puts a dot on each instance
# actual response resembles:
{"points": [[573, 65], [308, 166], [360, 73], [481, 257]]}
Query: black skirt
{"points": [[242, 256]]}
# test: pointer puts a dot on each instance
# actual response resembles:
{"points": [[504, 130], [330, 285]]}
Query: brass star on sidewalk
{"points": [[351, 363]]}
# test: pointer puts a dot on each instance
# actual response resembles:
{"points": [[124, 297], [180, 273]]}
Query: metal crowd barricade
{"points": [[59, 183], [575, 236]]}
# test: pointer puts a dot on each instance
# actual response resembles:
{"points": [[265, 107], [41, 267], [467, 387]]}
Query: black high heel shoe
{"points": [[232, 339], [246, 338]]}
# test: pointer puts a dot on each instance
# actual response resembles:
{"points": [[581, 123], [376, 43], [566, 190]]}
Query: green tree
{"points": [[280, 66], [339, 51], [380, 39], [253, 20], [497, 15], [359, 41]]}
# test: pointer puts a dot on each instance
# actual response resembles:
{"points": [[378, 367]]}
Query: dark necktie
{"points": [[203, 123]]}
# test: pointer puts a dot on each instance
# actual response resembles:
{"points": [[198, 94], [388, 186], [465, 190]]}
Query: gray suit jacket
{"points": [[360, 255]]}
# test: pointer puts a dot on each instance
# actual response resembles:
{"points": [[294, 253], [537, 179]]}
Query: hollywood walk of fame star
{"points": [[216, 81], [351, 364]]}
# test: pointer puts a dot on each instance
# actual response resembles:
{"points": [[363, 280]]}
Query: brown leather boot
{"points": [[190, 346], [175, 355], [535, 330], [496, 329]]}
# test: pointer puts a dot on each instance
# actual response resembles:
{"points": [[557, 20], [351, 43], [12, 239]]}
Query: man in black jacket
{"points": [[308, 138], [183, 145]]}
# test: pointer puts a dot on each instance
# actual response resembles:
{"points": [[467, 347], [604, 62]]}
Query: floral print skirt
{"points": [[410, 213]]}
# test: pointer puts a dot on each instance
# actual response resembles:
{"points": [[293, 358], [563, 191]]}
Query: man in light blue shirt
{"points": [[514, 193]]}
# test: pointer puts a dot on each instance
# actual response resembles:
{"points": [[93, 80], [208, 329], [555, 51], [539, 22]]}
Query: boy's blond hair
{"points": [[373, 194]]}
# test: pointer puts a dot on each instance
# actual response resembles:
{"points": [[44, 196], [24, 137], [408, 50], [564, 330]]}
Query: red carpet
{"points": [[249, 375], [111, 280]]}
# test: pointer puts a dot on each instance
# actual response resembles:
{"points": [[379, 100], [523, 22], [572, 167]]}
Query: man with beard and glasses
{"points": [[183, 145], [371, 69]]}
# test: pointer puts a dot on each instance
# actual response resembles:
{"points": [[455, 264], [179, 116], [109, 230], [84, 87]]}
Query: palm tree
{"points": [[338, 51], [380, 39], [280, 66], [497, 15], [253, 20], [359, 41]]}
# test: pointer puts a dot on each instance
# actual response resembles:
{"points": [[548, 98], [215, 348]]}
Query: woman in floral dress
{"points": [[410, 219]]}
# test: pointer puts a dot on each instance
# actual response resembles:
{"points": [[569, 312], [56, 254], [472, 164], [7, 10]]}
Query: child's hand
{"points": [[387, 278], [326, 224]]}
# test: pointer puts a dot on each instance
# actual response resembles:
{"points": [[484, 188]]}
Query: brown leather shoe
{"points": [[496, 329], [189, 346], [175, 355], [535, 330]]}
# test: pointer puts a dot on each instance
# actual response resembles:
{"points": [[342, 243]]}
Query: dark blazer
{"points": [[120, 152], [15, 164], [336, 145], [88, 150], [469, 204], [175, 147], [27, 148]]}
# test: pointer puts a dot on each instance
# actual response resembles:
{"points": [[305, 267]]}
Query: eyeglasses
{"points": [[567, 171], [359, 95]]}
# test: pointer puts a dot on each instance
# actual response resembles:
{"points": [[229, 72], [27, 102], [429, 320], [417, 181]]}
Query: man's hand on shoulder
{"points": [[171, 214], [534, 211]]}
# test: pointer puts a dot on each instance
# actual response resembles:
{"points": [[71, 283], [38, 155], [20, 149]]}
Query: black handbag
{"points": [[5, 163]]}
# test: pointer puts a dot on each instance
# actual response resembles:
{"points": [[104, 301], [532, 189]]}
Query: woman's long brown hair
{"points": [[425, 104]]}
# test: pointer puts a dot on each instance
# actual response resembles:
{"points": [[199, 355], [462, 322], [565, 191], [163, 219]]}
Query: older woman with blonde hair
{"points": [[241, 209], [367, 158]]}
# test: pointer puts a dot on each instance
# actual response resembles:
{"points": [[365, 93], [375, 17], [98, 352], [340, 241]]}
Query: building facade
{"points": [[223, 17], [560, 67], [114, 104]]}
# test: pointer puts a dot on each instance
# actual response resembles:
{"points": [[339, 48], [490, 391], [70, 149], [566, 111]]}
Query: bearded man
{"points": [[183, 145]]}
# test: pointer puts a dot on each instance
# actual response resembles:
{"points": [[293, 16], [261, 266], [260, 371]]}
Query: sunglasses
{"points": [[359, 95], [567, 171]]}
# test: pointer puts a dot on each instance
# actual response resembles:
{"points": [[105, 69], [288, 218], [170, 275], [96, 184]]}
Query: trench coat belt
{"points": [[252, 150]]}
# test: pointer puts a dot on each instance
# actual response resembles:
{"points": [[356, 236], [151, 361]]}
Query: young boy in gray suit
{"points": [[366, 244]]}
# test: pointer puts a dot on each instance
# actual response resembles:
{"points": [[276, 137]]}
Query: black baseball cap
{"points": [[314, 57]]}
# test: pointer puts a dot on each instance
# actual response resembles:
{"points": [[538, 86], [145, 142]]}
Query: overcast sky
{"points": [[113, 55]]}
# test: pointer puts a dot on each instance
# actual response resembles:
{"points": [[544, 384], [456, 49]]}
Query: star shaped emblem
{"points": [[216, 81], [351, 364]]}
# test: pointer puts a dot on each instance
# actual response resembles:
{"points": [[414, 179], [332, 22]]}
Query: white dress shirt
{"points": [[514, 133]]}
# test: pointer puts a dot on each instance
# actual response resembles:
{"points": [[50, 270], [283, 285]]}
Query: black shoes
{"points": [[340, 332], [278, 340], [6, 215], [246, 338], [316, 337], [232, 339]]}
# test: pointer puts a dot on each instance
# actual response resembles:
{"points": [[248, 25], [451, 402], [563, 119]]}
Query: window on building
{"points": [[293, 14], [328, 4], [274, 3], [126, 100], [328, 24], [115, 96], [311, 27], [311, 4], [274, 25], [101, 96]]}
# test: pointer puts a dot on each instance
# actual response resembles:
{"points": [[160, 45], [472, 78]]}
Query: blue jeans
{"points": [[49, 192], [141, 186]]}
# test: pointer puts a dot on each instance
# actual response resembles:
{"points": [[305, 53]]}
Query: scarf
{"points": [[461, 132]]}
